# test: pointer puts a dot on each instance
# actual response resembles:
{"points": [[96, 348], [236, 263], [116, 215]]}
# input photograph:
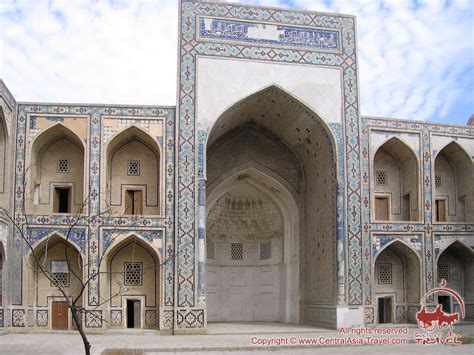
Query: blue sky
{"points": [[416, 57]]}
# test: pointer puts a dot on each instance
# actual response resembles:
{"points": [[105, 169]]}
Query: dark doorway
{"points": [[133, 314], [385, 310], [61, 200], [445, 302]]}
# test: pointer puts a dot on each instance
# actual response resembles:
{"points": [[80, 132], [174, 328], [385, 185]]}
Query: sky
{"points": [[416, 57]]}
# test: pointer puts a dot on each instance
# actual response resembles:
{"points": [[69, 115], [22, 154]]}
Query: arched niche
{"points": [[57, 172], [395, 183], [397, 283], [133, 173], [453, 183], [63, 260], [133, 283], [289, 143], [455, 265]]}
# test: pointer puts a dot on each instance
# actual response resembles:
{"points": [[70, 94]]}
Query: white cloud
{"points": [[413, 56]]}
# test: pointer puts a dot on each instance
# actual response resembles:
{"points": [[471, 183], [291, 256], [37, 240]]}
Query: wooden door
{"points": [[136, 314], [440, 210], [128, 202], [138, 202], [60, 314], [381, 208]]}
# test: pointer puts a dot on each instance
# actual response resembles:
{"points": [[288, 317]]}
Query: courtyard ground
{"points": [[223, 337]]}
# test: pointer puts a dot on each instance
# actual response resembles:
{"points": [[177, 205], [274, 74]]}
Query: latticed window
{"points": [[60, 279], [133, 274], [385, 274], [265, 250], [443, 271], [63, 166], [381, 177], [133, 168], [236, 251], [211, 249], [438, 181]]}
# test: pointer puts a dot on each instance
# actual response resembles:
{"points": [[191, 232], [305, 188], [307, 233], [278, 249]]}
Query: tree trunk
{"points": [[77, 321]]}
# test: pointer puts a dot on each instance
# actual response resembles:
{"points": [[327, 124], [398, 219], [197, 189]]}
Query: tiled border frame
{"points": [[186, 171], [51, 223], [425, 228]]}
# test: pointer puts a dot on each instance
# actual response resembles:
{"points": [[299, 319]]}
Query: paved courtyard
{"points": [[223, 337]]}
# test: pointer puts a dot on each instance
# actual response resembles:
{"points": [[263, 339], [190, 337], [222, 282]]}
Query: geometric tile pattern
{"points": [[42, 317], [399, 314], [150, 318], [115, 317], [93, 319], [369, 315], [18, 317], [190, 318], [168, 319]]}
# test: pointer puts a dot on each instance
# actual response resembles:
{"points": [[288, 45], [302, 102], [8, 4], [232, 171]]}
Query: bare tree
{"points": [[73, 295]]}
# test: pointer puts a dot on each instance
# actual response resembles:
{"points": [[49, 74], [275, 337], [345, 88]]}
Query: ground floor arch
{"points": [[55, 262], [133, 284], [397, 283], [455, 265]]}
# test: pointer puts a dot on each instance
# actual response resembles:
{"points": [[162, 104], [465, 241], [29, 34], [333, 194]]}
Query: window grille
{"points": [[60, 279], [63, 166], [382, 178], [236, 251], [385, 273], [438, 181], [133, 274], [133, 168], [211, 250], [265, 250], [443, 272]]}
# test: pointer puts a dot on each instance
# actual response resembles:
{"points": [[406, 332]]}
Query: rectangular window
{"points": [[381, 208], [63, 166], [385, 274], [381, 177], [440, 211], [236, 251], [133, 168], [59, 273], [133, 274], [211, 249], [438, 181], [443, 272], [62, 200], [134, 202], [265, 250]]}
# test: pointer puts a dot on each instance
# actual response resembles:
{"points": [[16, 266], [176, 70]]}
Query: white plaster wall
{"points": [[223, 82]]}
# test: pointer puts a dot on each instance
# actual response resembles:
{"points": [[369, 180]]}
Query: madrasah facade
{"points": [[264, 195]]}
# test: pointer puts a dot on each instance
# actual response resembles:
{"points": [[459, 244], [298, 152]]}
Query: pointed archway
{"points": [[396, 183], [396, 282], [133, 173], [57, 172], [286, 204]]}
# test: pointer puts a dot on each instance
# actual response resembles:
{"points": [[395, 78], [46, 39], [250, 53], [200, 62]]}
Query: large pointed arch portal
{"points": [[271, 211]]}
